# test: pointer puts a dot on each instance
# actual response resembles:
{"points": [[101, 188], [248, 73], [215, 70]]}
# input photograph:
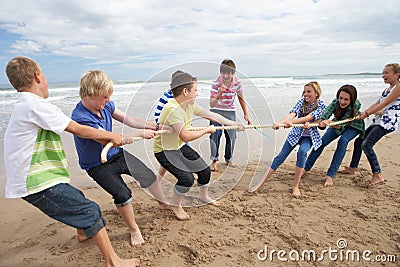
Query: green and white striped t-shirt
{"points": [[33, 153]]}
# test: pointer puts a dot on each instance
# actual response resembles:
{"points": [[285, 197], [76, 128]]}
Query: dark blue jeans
{"points": [[305, 145], [182, 164], [108, 176], [349, 134], [68, 205], [357, 151], [230, 137], [372, 135]]}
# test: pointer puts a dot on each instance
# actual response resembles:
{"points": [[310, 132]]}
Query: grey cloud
{"points": [[167, 32]]}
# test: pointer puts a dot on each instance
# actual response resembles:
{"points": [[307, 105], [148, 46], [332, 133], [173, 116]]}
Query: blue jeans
{"points": [[349, 134], [305, 145], [108, 176], [372, 135], [357, 151], [230, 137], [68, 205], [182, 164]]}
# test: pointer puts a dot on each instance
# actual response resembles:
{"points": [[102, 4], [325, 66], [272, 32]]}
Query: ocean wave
{"points": [[140, 97]]}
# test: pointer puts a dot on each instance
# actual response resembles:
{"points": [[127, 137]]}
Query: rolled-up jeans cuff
{"points": [[203, 185], [93, 230], [214, 158], [126, 203], [176, 191]]}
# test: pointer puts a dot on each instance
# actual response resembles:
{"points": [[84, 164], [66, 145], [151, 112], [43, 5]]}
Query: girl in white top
{"points": [[385, 122]]}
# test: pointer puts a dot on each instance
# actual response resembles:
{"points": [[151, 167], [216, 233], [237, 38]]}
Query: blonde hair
{"points": [[21, 72], [395, 67], [318, 91], [95, 83]]}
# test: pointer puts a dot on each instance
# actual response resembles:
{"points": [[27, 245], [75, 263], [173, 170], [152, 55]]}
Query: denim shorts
{"points": [[68, 205], [108, 176]]}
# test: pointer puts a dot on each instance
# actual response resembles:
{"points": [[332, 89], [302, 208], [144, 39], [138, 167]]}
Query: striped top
{"points": [[33, 153], [48, 164], [166, 96], [227, 99]]}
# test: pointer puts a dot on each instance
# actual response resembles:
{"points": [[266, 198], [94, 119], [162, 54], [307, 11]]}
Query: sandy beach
{"points": [[242, 232]]}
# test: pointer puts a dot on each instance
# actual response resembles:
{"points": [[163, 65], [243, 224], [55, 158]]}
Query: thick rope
{"points": [[269, 125], [109, 145]]}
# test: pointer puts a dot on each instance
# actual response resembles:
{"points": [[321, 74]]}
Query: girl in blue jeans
{"points": [[308, 109], [344, 106], [386, 120]]}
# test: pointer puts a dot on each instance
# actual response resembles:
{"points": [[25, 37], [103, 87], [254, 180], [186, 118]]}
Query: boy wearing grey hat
{"points": [[170, 150]]}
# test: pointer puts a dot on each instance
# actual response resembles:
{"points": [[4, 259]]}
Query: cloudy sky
{"points": [[133, 40]]}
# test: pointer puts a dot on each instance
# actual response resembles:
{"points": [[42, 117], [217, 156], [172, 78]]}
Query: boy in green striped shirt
{"points": [[36, 166]]}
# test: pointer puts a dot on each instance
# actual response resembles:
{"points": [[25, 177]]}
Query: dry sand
{"points": [[233, 234]]}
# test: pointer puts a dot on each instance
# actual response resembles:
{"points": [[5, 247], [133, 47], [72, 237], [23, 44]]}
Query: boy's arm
{"points": [[138, 123], [146, 128], [101, 136], [216, 92], [188, 136], [214, 98], [133, 122], [216, 117], [243, 104]]}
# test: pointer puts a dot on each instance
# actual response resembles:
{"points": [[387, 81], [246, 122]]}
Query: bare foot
{"points": [[127, 263], [211, 201], [80, 235], [163, 206], [266, 177], [296, 192], [136, 239], [180, 213], [377, 178], [231, 164], [348, 170], [328, 181], [256, 187], [214, 166]]}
